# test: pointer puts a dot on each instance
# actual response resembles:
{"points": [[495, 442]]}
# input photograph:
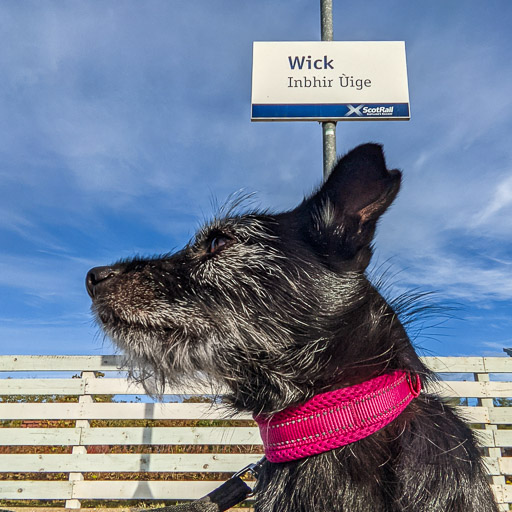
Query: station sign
{"points": [[329, 80]]}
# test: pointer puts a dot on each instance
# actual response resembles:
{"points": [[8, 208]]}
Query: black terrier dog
{"points": [[277, 308]]}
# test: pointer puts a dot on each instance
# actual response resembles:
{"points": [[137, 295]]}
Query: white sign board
{"points": [[329, 80]]}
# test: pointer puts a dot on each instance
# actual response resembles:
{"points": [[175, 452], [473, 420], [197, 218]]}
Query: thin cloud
{"points": [[44, 278], [501, 200], [461, 278]]}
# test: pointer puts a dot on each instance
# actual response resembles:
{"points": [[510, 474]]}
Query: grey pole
{"points": [[328, 127]]}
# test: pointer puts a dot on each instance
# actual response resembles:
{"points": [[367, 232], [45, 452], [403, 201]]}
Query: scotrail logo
{"points": [[362, 111], [354, 110]]}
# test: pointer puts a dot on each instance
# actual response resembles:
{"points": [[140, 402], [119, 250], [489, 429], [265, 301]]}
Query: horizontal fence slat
{"points": [[455, 364], [56, 463], [115, 411], [42, 387], [503, 438], [505, 465], [494, 415], [39, 436], [474, 414], [485, 438], [469, 389], [168, 463], [125, 387], [88, 386], [61, 363], [172, 435], [115, 386], [116, 362], [126, 462], [130, 436], [127, 490], [469, 364], [503, 493], [491, 465], [35, 490], [38, 387], [500, 415], [120, 387], [498, 364]]}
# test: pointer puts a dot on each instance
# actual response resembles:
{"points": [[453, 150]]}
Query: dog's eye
{"points": [[217, 243]]}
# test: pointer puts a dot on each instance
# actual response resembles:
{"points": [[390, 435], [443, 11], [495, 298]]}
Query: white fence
{"points": [[82, 473]]}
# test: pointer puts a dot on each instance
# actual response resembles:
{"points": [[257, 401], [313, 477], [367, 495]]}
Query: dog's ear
{"points": [[340, 218]]}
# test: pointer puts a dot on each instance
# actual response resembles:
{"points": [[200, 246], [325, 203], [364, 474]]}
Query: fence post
{"points": [[80, 449], [493, 452]]}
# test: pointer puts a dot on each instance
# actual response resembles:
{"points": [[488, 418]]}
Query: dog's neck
{"points": [[345, 354]]}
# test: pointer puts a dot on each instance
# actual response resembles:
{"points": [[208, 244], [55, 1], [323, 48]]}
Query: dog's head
{"points": [[271, 305]]}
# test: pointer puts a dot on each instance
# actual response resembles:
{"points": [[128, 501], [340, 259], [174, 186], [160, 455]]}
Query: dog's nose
{"points": [[96, 276]]}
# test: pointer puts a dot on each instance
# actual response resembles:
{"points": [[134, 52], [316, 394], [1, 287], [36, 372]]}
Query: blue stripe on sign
{"points": [[346, 111]]}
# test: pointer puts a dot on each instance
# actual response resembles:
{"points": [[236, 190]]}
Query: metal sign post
{"points": [[328, 127]]}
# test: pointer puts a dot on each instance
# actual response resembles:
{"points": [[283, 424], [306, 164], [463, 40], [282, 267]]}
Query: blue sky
{"points": [[120, 121]]}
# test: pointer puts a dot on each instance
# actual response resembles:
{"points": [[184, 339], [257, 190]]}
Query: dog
{"points": [[278, 309]]}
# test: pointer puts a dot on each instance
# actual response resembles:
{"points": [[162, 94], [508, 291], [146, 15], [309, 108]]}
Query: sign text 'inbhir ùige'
{"points": [[303, 63]]}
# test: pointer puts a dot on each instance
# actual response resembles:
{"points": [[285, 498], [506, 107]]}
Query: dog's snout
{"points": [[97, 275]]}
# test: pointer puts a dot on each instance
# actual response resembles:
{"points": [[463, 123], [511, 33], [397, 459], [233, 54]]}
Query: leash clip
{"points": [[253, 468]]}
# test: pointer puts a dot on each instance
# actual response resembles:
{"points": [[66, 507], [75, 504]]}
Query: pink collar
{"points": [[337, 418]]}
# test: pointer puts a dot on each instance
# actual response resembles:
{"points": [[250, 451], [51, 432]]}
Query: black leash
{"points": [[229, 494]]}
